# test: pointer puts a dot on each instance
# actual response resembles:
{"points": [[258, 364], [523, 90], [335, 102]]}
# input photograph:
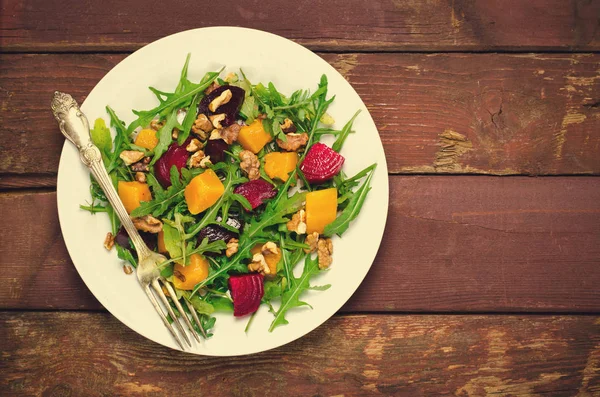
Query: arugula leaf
{"points": [[190, 117], [337, 145], [163, 199], [249, 110], [342, 222], [121, 141], [291, 297], [100, 135], [172, 240], [126, 255]]}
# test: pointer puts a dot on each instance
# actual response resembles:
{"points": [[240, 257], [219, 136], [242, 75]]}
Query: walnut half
{"points": [[293, 142], [298, 222], [250, 164], [147, 223]]}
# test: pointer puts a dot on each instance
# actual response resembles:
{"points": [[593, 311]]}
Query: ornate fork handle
{"points": [[75, 127]]}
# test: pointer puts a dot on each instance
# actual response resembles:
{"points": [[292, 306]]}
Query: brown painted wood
{"points": [[451, 244], [53, 354], [413, 25], [437, 113]]}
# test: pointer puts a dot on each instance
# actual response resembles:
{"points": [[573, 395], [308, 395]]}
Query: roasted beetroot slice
{"points": [[231, 108], [216, 233], [256, 192], [321, 163], [215, 148], [174, 156], [246, 291]]}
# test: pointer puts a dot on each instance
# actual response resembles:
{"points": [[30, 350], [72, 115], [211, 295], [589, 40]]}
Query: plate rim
{"points": [[381, 167]]}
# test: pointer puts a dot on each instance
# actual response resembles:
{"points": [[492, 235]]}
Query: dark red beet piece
{"points": [[215, 148], [246, 291], [231, 108], [321, 163], [122, 239], [256, 192], [215, 233], [174, 156]]}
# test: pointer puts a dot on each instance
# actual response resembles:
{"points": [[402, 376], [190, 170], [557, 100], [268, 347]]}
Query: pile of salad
{"points": [[229, 180]]}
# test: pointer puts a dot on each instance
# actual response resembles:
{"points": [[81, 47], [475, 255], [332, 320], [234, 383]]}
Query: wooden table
{"points": [[483, 284]]}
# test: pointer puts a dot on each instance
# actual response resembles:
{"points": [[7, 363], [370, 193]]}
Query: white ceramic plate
{"points": [[264, 57]]}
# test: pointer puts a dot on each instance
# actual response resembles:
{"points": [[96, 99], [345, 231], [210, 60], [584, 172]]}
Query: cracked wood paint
{"points": [[379, 355], [494, 101]]}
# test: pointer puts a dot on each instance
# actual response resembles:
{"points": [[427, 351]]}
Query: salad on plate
{"points": [[230, 180]]}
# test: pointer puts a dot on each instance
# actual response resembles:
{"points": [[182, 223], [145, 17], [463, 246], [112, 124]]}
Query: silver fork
{"points": [[75, 127]]}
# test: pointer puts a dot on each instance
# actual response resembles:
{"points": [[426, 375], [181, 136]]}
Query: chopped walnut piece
{"points": [[194, 145], [147, 223], [109, 241], [127, 269], [311, 240], [205, 162], [216, 119], [214, 85], [298, 222], [259, 264], [324, 251], [269, 248], [140, 177], [131, 156], [202, 126], [293, 142], [250, 164], [215, 134], [175, 133], [230, 134], [288, 126], [141, 166], [196, 159], [232, 247], [222, 99], [156, 125]]}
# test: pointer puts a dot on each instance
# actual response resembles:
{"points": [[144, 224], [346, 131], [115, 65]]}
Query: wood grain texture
{"points": [[43, 354], [437, 113], [412, 25], [451, 244]]}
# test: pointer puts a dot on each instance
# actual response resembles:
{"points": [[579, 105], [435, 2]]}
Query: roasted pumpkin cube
{"points": [[203, 191], [321, 209], [253, 137], [280, 164], [146, 138], [186, 277], [133, 193]]}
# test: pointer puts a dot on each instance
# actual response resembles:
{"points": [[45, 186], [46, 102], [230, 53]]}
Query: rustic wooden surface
{"points": [[437, 113], [332, 25], [484, 285], [378, 355], [544, 240]]}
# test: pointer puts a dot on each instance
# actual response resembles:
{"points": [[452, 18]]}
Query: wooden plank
{"points": [[437, 113], [451, 244], [414, 25], [348, 355]]}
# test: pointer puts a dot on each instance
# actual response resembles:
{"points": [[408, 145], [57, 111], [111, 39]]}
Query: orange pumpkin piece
{"points": [[321, 209], [162, 248], [132, 193], [203, 191], [271, 258], [280, 164], [195, 272], [146, 138], [253, 137]]}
